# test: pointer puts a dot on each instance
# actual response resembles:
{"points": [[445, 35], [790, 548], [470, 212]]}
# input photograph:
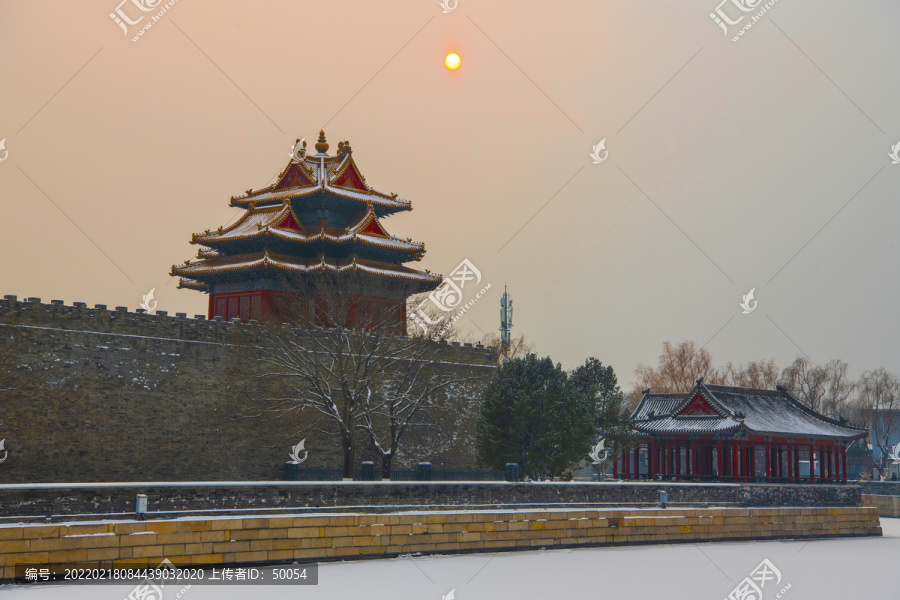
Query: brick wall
{"points": [[115, 499], [888, 506], [880, 488], [327, 537], [120, 396]]}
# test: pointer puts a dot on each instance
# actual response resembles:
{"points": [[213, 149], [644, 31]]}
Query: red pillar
{"points": [[720, 462], [791, 462], [734, 460], [615, 468], [668, 457], [746, 459], [768, 462], [652, 460], [812, 464]]}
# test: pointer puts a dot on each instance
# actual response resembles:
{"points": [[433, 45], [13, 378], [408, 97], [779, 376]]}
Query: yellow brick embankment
{"points": [[888, 506], [208, 541]]}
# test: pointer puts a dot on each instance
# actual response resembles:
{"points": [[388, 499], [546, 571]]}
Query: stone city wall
{"points": [[113, 395]]}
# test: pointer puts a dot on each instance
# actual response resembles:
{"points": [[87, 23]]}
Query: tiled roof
{"points": [[756, 411]]}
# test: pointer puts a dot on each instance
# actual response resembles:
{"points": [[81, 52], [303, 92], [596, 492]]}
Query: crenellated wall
{"points": [[113, 395]]}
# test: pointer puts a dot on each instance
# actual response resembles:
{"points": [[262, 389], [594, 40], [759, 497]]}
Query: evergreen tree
{"points": [[610, 418], [532, 416]]}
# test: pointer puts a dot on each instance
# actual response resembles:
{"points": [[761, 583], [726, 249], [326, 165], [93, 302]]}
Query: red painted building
{"points": [[320, 216], [722, 433]]}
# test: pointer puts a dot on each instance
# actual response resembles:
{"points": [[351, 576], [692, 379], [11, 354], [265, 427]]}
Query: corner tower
{"points": [[320, 217]]}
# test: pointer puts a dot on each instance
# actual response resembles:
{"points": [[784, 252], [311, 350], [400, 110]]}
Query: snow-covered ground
{"points": [[863, 568]]}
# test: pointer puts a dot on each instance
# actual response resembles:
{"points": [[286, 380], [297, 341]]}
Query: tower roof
{"points": [[285, 229], [307, 175]]}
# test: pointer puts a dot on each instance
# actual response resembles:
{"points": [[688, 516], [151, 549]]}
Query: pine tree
{"points": [[533, 417], [600, 389]]}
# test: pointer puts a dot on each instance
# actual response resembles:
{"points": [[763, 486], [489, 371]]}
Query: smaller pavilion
{"points": [[723, 433]]}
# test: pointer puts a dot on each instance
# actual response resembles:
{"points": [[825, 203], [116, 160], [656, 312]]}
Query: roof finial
{"points": [[699, 380], [322, 145]]}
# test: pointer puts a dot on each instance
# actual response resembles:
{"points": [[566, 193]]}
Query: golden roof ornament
{"points": [[252, 205], [322, 145]]}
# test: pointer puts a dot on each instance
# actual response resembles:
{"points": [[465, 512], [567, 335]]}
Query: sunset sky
{"points": [[762, 163]]}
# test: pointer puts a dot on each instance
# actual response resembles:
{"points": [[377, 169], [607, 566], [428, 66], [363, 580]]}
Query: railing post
{"points": [[291, 471], [511, 472]]}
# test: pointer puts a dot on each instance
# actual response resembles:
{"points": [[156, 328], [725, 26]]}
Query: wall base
{"points": [[313, 538]]}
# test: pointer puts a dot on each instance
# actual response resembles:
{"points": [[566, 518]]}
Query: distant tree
{"points": [[825, 389], [533, 417], [517, 347], [680, 365], [877, 406], [759, 374], [609, 412]]}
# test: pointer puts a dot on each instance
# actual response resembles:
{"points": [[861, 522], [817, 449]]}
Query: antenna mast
{"points": [[506, 318]]}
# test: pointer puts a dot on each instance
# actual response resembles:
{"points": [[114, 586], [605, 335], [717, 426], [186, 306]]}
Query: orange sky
{"points": [[758, 164]]}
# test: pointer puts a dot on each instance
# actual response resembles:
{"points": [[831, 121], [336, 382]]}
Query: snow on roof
{"points": [[754, 410]]}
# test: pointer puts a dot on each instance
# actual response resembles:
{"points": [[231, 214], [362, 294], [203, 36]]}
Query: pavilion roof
{"points": [[309, 174], [722, 409]]}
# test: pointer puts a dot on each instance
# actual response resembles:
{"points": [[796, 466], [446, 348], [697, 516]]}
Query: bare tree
{"points": [[877, 406], [518, 347], [351, 364], [759, 374], [825, 389], [679, 367]]}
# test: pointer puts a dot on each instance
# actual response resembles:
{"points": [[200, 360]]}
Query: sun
{"points": [[452, 61]]}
